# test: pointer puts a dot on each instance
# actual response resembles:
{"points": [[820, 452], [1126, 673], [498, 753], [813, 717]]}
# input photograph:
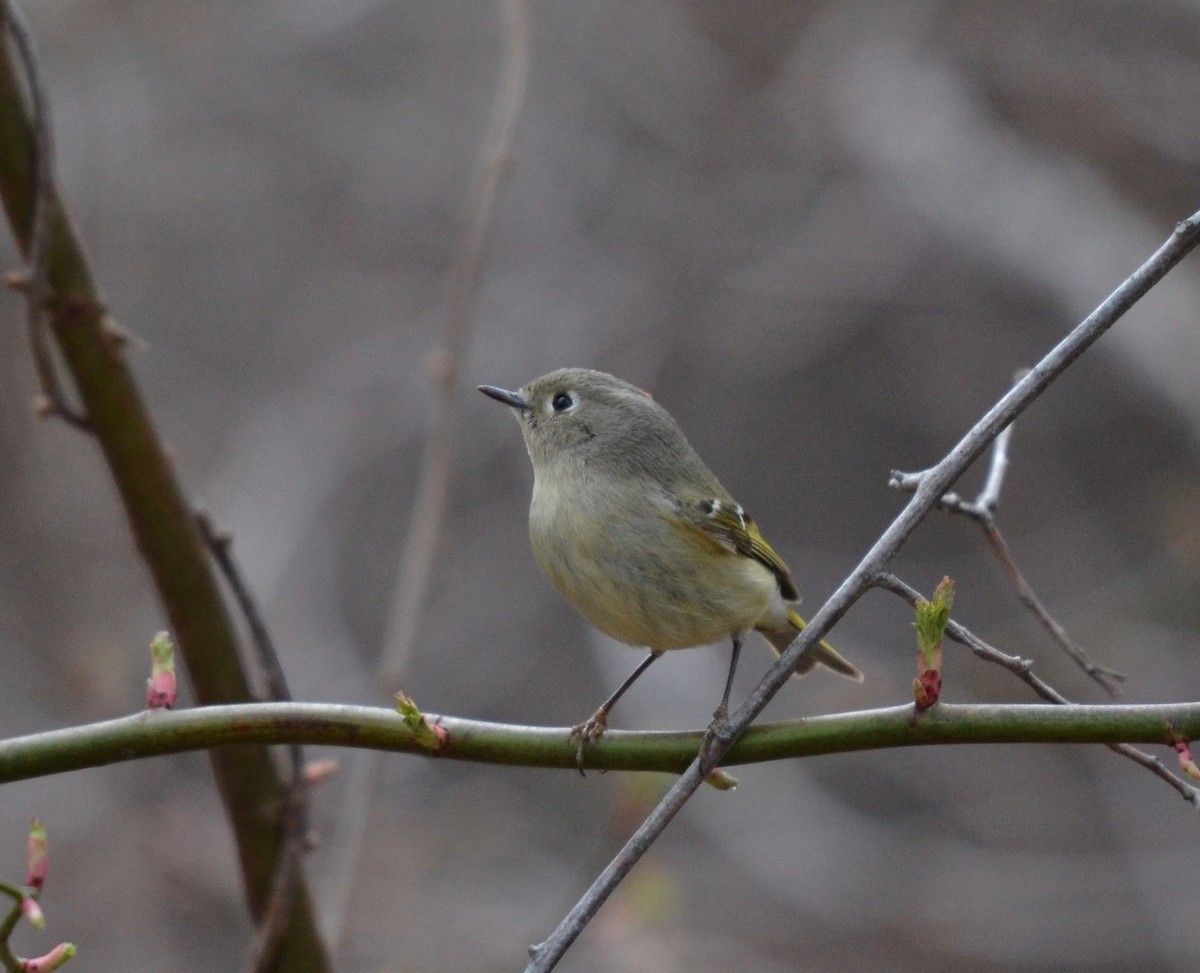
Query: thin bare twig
{"points": [[428, 509], [1023, 670], [982, 510], [1108, 679], [53, 398], [293, 812], [988, 500], [219, 544], [931, 485]]}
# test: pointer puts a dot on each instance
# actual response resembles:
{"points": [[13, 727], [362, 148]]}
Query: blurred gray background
{"points": [[823, 235]]}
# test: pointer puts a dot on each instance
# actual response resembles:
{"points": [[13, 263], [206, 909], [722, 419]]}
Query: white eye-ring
{"points": [[563, 402]]}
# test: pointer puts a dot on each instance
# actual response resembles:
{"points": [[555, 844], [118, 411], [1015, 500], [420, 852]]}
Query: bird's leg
{"points": [[590, 730], [722, 711], [720, 718]]}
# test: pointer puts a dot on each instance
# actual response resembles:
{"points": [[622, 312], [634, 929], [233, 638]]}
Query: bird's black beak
{"points": [[505, 396]]}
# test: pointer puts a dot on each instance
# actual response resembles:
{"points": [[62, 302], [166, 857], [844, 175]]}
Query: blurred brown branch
{"points": [[93, 353], [53, 399], [294, 814]]}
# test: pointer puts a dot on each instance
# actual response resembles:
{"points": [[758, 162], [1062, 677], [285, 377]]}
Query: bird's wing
{"points": [[727, 522]]}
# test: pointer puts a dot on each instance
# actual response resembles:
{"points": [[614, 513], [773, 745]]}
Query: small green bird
{"points": [[638, 534]]}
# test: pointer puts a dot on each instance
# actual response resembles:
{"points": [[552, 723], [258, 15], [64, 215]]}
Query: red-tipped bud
{"points": [[51, 961], [932, 619], [33, 912], [1186, 762], [39, 856], [160, 691], [161, 688], [927, 688]]}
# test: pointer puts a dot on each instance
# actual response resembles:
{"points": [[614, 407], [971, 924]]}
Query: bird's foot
{"points": [[715, 733], [588, 732]]}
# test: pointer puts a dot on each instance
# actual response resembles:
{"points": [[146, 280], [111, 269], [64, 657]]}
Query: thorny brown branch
{"points": [[64, 300], [293, 813], [33, 283]]}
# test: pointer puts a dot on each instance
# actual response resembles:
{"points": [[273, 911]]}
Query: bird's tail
{"points": [[822, 653]]}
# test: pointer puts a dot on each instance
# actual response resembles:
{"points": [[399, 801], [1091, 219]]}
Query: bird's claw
{"points": [[716, 731], [588, 732]]}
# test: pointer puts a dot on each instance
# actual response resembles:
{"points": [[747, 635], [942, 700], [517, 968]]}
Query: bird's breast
{"points": [[629, 565]]}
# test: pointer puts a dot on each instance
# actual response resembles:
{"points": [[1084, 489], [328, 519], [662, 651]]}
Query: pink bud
{"points": [[160, 689], [33, 912], [1186, 762], [39, 856], [51, 961]]}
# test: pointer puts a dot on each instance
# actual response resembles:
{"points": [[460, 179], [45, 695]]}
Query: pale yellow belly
{"points": [[642, 580]]}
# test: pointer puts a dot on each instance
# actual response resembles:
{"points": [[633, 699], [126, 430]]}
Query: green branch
{"points": [[162, 732]]}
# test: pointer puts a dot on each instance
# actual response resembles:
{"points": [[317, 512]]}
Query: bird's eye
{"points": [[562, 402]]}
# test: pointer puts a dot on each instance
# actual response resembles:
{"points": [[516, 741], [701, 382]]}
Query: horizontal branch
{"points": [[160, 732]]}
